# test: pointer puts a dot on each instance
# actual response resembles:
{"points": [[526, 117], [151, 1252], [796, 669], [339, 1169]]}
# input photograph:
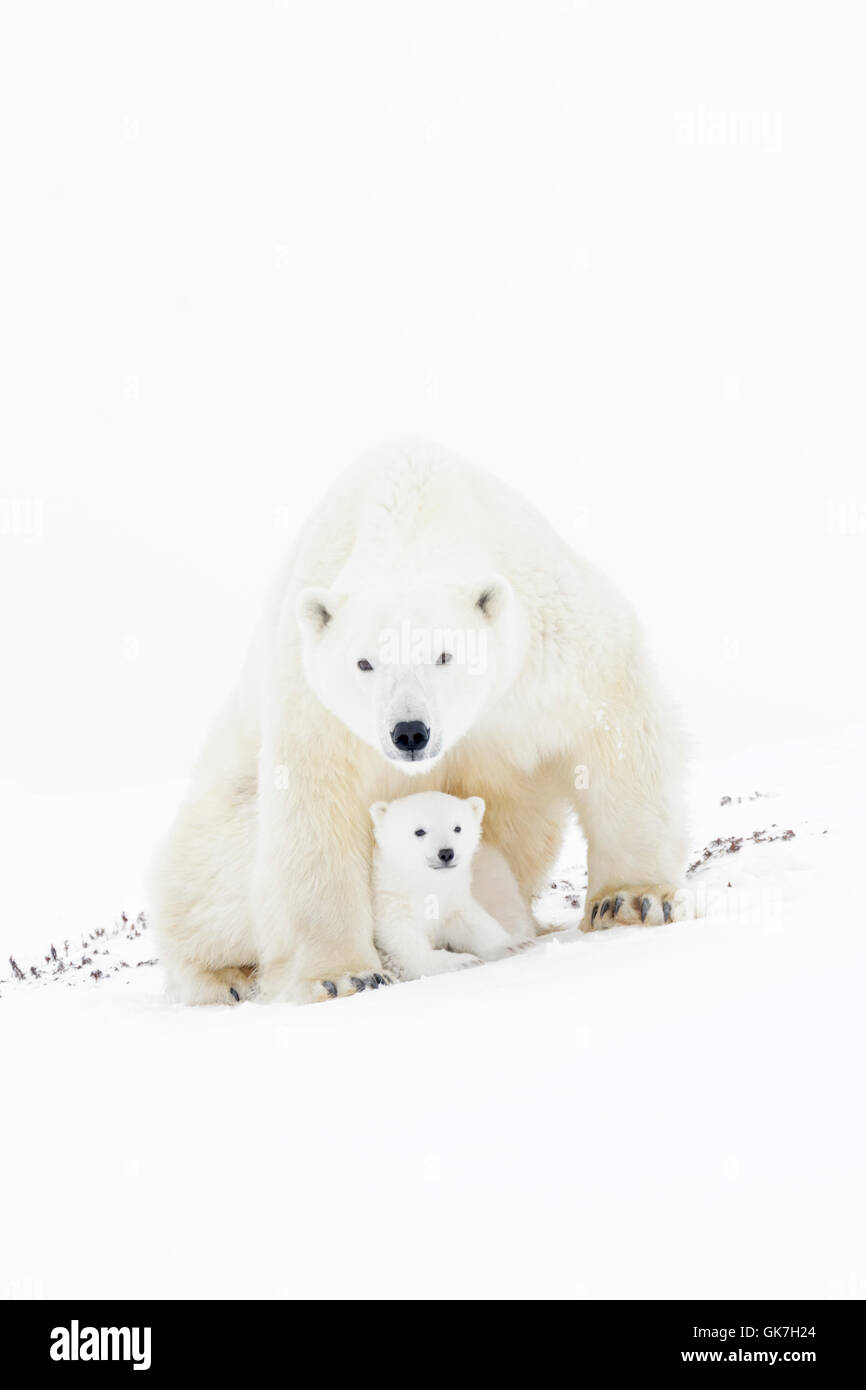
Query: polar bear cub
{"points": [[426, 918]]}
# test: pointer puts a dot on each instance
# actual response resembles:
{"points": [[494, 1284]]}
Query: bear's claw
{"points": [[370, 981], [355, 984], [650, 906]]}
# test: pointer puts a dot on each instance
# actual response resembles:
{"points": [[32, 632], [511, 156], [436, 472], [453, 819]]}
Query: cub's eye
{"points": [[457, 830], [420, 832], [364, 665], [444, 659]]}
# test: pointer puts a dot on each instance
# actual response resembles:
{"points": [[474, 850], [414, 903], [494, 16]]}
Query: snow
{"points": [[660, 1112]]}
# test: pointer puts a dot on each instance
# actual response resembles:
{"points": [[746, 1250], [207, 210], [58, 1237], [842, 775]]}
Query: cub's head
{"points": [[429, 830], [409, 669]]}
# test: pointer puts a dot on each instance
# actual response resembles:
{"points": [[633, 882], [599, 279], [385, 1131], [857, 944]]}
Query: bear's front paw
{"points": [[648, 906], [338, 986], [228, 984]]}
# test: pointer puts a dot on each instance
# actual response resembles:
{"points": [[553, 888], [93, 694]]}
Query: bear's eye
{"points": [[444, 659], [420, 832], [364, 665], [457, 830]]}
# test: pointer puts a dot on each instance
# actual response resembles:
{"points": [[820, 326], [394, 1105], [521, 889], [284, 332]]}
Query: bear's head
{"points": [[410, 668], [428, 831]]}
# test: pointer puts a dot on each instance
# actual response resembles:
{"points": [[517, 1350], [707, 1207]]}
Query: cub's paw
{"points": [[649, 906], [446, 961], [516, 948], [339, 986]]}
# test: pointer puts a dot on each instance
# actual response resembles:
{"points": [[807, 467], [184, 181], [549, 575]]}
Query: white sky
{"points": [[613, 252]]}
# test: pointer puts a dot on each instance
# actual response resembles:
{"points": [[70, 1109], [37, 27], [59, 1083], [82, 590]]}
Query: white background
{"points": [[613, 252]]}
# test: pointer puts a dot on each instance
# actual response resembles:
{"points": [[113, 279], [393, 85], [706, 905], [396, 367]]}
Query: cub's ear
{"points": [[478, 806], [314, 609], [494, 597], [377, 811]]}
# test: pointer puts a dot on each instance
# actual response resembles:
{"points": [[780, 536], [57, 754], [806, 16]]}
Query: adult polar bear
{"points": [[348, 697]]}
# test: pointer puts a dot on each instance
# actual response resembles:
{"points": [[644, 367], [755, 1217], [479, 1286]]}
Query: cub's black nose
{"points": [[446, 855], [410, 736]]}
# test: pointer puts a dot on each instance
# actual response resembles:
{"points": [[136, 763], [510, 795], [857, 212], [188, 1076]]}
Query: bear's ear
{"points": [[478, 806], [377, 811], [314, 609], [494, 597]]}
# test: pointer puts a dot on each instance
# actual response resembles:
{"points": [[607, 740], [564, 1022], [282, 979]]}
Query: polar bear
{"points": [[429, 625], [426, 917]]}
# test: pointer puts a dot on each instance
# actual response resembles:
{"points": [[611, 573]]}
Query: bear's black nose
{"points": [[446, 855], [410, 736]]}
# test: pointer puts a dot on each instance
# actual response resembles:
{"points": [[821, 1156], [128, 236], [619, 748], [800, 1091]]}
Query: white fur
{"points": [[427, 920], [552, 706]]}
